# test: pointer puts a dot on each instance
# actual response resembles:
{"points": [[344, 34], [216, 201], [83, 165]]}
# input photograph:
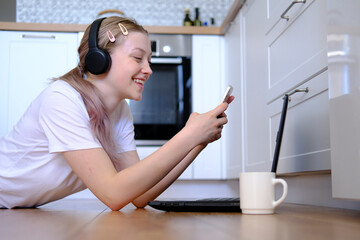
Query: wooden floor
{"points": [[90, 219]]}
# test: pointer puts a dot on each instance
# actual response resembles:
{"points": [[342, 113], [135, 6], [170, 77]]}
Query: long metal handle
{"points": [[38, 36], [166, 60], [291, 5]]}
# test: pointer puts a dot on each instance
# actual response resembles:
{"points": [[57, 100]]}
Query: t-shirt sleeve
{"points": [[65, 122], [124, 129]]}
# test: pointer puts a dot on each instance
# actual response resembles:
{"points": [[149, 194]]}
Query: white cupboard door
{"points": [[297, 49], [27, 61], [207, 87], [232, 147], [256, 154], [306, 140]]}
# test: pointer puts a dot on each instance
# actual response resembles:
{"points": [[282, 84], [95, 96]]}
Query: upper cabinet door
{"points": [[28, 61]]}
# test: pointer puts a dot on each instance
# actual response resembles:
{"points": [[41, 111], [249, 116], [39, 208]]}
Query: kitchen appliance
{"points": [[166, 100]]}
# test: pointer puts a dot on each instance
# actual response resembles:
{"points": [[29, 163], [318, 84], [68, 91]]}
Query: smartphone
{"points": [[227, 93], [226, 96]]}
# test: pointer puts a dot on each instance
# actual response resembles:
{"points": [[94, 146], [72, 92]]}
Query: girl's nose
{"points": [[147, 68]]}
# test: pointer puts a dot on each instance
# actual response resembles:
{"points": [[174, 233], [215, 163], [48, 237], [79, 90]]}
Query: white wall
{"points": [[146, 12]]}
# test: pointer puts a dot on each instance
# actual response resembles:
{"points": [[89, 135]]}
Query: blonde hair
{"points": [[99, 119]]}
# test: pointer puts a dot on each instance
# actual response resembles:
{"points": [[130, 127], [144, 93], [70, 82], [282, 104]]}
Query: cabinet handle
{"points": [[305, 90], [291, 5], [38, 36]]}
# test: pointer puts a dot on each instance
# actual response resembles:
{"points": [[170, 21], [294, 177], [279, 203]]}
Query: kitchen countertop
{"points": [[90, 219], [49, 27]]}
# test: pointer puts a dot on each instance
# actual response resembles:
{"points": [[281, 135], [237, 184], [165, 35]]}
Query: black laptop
{"points": [[220, 204]]}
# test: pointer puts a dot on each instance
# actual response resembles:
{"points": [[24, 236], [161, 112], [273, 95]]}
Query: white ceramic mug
{"points": [[257, 192]]}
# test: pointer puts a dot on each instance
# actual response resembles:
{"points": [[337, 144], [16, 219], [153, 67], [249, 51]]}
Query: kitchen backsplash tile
{"points": [[146, 12]]}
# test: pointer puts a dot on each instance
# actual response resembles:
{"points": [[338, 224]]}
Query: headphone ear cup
{"points": [[97, 61]]}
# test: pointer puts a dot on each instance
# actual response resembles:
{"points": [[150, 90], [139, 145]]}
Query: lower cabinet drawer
{"points": [[306, 139]]}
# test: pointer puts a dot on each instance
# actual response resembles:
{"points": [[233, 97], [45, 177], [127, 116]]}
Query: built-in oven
{"points": [[166, 100]]}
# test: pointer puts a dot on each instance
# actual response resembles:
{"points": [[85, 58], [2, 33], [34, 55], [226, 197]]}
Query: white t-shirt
{"points": [[32, 168]]}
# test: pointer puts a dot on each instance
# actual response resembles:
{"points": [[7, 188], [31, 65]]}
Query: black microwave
{"points": [[166, 101]]}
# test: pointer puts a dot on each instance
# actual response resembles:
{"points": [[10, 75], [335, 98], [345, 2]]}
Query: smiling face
{"points": [[130, 67]]}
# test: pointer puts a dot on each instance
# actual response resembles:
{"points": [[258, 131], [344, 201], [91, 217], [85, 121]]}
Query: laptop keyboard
{"points": [[235, 199]]}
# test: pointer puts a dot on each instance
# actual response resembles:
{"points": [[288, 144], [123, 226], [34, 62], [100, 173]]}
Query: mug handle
{"points": [[285, 191]]}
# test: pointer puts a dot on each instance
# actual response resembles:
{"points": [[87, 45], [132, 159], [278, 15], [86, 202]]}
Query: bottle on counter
{"points": [[197, 21], [187, 20]]}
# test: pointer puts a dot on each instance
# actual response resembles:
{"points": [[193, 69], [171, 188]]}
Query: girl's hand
{"points": [[207, 127]]}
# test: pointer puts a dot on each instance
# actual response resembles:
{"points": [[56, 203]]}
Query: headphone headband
{"points": [[94, 31]]}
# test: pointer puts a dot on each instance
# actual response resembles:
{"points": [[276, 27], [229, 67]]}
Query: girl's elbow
{"points": [[114, 206], [139, 204], [114, 203], [117, 207]]}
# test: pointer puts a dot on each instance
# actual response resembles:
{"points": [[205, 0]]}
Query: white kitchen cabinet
{"points": [[256, 152], [292, 54], [297, 49], [27, 61], [207, 85], [232, 144], [297, 58], [306, 140]]}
